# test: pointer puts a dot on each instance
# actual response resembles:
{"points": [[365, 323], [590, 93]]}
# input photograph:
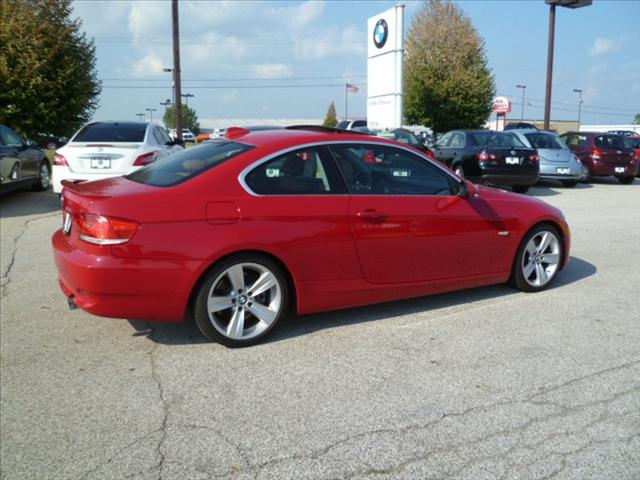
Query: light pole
{"points": [[579, 92], [523, 87], [552, 31], [151, 110], [141, 116], [187, 96]]}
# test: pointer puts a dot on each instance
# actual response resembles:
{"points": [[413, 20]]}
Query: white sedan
{"points": [[110, 149]]}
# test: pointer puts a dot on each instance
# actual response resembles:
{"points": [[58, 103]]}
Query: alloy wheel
{"points": [[45, 178], [541, 258], [244, 301]]}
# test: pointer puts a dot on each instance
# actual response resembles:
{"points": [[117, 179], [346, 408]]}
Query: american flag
{"points": [[351, 88]]}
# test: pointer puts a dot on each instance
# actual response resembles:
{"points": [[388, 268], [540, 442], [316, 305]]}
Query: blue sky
{"points": [[300, 54]]}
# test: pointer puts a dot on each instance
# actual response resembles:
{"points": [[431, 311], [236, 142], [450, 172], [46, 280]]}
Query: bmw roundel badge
{"points": [[380, 33]]}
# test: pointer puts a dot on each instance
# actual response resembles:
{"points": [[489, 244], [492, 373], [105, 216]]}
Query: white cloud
{"points": [[272, 70], [150, 65], [602, 46], [331, 41]]}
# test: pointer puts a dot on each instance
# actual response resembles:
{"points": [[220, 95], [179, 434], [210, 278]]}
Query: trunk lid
{"points": [[511, 157], [555, 155], [96, 157]]}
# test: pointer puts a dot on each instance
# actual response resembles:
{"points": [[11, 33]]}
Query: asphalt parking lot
{"points": [[486, 383]]}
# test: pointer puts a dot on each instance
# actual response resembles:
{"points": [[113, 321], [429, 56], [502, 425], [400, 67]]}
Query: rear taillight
{"points": [[60, 161], [483, 156], [146, 159], [102, 230], [595, 154], [534, 157]]}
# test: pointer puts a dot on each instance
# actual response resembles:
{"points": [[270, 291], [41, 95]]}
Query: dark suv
{"points": [[603, 154]]}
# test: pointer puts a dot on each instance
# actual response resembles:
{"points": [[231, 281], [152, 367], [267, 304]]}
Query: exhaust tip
{"points": [[72, 303]]}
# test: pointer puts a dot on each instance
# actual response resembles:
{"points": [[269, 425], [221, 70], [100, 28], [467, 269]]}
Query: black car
{"points": [[489, 157], [22, 163], [519, 125]]}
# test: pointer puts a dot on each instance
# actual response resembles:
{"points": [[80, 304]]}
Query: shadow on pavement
{"points": [[20, 203], [187, 333]]}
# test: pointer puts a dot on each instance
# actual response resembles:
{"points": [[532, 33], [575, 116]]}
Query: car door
{"points": [[22, 157], [304, 200], [409, 225], [441, 148]]}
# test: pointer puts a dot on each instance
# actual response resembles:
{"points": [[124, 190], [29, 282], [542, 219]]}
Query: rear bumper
{"points": [[602, 169], [134, 289], [510, 179], [59, 173], [550, 172]]}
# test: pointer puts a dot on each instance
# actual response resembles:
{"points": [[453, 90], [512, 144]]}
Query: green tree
{"points": [[447, 82], [189, 118], [330, 119], [48, 80], [636, 119]]}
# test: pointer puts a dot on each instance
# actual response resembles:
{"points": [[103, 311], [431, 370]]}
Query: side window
{"points": [[380, 170], [444, 140], [359, 123], [457, 141], [600, 142], [157, 136], [164, 136], [10, 138], [306, 171]]}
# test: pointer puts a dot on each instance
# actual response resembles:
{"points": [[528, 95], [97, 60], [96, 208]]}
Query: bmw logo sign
{"points": [[380, 33]]}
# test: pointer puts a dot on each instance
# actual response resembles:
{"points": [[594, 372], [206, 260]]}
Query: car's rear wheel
{"points": [[569, 183], [538, 259], [520, 188], [626, 180], [44, 177], [241, 300], [587, 176]]}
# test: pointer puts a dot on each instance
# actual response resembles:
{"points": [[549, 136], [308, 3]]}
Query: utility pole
{"points": [[176, 68], [151, 110], [579, 92], [523, 87]]}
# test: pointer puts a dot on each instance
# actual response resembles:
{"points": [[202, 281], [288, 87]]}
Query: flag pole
{"points": [[346, 102]]}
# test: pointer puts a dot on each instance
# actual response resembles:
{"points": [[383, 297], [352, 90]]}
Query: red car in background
{"points": [[634, 142], [242, 230], [603, 154]]}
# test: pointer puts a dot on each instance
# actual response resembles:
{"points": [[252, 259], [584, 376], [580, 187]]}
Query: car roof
{"points": [[265, 138]]}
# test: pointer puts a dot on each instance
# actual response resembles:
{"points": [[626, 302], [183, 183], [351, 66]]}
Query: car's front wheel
{"points": [[538, 259], [241, 300]]}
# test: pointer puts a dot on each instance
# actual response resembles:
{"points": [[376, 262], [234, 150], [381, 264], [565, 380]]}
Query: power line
{"points": [[230, 79], [229, 43], [215, 87], [617, 109]]}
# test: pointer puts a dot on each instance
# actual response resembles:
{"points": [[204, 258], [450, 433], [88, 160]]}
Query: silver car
{"points": [[557, 162]]}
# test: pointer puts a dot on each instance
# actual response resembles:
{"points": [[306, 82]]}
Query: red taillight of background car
{"points": [[146, 159], [534, 157], [102, 230], [596, 154], [483, 156], [60, 161]]}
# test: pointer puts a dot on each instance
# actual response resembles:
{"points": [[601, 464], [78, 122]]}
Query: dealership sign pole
{"points": [[501, 106], [385, 47]]}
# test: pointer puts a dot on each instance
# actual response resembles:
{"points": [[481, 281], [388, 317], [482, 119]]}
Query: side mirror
{"points": [[30, 143]]}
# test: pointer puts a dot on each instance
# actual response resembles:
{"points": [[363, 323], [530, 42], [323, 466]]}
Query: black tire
{"points": [[43, 181], [587, 175], [626, 180], [569, 183], [217, 276], [520, 188], [517, 279]]}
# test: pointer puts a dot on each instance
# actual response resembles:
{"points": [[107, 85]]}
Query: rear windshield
{"points": [[343, 124], [503, 140], [479, 138], [112, 132], [546, 140], [188, 164]]}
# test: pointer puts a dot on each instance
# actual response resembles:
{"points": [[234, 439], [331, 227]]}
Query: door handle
{"points": [[372, 215]]}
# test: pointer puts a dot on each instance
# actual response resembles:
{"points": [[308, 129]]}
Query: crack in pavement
{"points": [[165, 405], [5, 278]]}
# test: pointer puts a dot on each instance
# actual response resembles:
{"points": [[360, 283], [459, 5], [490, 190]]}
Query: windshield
{"points": [[343, 124], [188, 164], [503, 140], [405, 136], [112, 132], [546, 141]]}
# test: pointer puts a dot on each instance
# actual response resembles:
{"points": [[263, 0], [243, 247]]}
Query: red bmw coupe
{"points": [[243, 230]]}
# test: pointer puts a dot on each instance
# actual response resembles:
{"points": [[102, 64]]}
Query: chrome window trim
{"points": [[257, 163]]}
